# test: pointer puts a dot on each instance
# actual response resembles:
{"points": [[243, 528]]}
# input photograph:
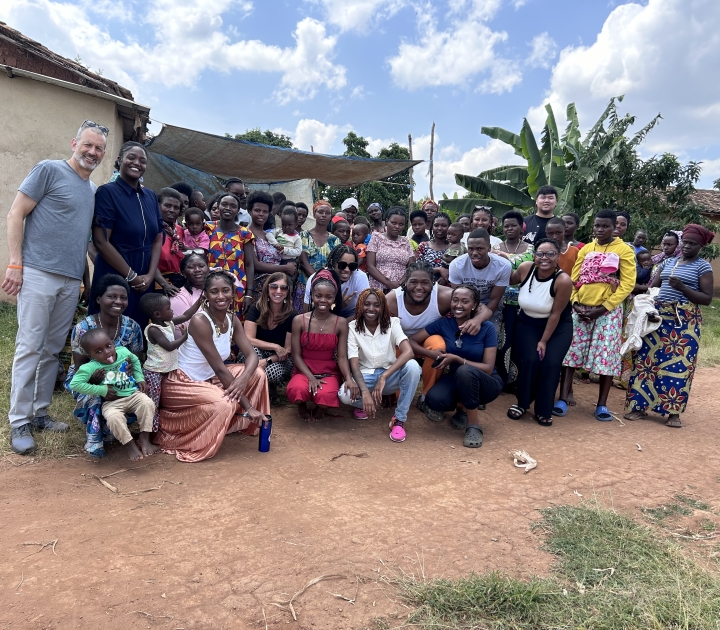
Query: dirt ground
{"points": [[211, 545]]}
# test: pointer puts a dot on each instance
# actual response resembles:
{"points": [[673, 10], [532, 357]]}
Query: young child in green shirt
{"points": [[123, 388]]}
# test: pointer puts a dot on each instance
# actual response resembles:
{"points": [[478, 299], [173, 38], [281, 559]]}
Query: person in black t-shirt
{"points": [[268, 325], [545, 201]]}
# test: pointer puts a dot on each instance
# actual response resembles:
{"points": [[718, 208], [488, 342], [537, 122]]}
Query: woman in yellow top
{"points": [[603, 276]]}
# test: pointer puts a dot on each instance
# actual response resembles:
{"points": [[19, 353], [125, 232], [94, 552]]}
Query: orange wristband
{"points": [[15, 266]]}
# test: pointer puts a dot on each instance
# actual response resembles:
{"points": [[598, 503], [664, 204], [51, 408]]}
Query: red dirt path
{"points": [[222, 539]]}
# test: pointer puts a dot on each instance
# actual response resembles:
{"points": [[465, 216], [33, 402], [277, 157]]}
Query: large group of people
{"points": [[201, 309]]}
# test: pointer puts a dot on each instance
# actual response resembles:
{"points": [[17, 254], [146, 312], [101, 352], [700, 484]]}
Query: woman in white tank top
{"points": [[204, 399], [544, 331]]}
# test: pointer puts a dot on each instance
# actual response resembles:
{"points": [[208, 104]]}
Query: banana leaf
{"points": [[465, 206], [508, 137], [490, 189], [572, 132], [516, 175]]}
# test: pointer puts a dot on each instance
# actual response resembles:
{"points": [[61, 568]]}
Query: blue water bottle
{"points": [[265, 433]]}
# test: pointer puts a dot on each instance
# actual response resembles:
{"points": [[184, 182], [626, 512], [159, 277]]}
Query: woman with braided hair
{"points": [[544, 330], [378, 370], [316, 377], [471, 379], [317, 243], [205, 399], [342, 263]]}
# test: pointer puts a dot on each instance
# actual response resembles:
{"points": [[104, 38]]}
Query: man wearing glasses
{"points": [[47, 231]]}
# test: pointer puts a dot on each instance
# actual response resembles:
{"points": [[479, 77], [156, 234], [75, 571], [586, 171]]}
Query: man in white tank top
{"points": [[418, 303]]}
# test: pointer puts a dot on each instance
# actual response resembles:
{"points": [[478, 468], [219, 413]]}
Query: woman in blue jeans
{"points": [[377, 368], [471, 379]]}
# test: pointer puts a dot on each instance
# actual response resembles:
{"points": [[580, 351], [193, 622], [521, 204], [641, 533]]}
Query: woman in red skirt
{"points": [[316, 336]]}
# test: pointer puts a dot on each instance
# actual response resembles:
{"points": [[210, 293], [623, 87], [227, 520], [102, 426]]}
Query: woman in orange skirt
{"points": [[204, 399]]}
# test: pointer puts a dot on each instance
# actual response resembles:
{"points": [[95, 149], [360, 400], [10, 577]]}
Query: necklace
{"points": [[218, 327], [507, 249], [98, 323], [324, 321]]}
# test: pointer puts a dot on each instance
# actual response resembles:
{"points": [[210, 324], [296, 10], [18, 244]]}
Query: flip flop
{"points": [[602, 414], [675, 423], [544, 422], [515, 412], [560, 409]]}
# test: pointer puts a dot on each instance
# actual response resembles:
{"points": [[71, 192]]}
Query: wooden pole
{"points": [[432, 148], [412, 182]]}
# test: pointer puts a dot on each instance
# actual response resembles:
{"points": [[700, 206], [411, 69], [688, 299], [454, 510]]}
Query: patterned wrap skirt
{"points": [[664, 366]]}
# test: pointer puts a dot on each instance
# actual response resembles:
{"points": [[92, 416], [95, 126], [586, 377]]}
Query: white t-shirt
{"points": [[357, 282], [496, 274], [494, 240]]}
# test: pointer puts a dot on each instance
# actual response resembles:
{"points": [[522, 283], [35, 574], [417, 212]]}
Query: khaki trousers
{"points": [[115, 414]]}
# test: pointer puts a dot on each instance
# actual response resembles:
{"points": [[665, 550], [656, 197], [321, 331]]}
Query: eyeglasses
{"points": [[545, 254], [90, 123], [458, 339], [282, 287], [342, 265]]}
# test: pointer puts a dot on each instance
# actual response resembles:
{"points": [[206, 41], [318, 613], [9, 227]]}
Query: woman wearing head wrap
{"points": [[431, 209], [316, 336], [375, 212], [317, 243], [349, 207], [664, 366]]}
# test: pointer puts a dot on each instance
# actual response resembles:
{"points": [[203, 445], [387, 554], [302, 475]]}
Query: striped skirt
{"points": [[195, 416]]}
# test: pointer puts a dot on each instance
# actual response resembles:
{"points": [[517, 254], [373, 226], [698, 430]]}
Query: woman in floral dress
{"points": [[432, 252], [389, 254], [317, 244], [665, 364]]}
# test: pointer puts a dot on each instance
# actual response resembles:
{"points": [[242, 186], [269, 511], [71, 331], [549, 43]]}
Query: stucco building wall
{"points": [[38, 122]]}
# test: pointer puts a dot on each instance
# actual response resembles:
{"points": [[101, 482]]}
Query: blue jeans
{"points": [[405, 380]]}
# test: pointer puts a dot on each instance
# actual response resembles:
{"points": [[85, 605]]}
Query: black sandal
{"points": [[544, 422], [473, 437], [515, 412]]}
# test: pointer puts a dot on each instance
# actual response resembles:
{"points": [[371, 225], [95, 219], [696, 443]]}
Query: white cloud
{"points": [[448, 160], [323, 138], [455, 56], [358, 92], [543, 51], [191, 37], [663, 56], [359, 15]]}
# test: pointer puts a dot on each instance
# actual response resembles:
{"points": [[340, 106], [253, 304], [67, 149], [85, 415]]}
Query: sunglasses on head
{"points": [[342, 265], [282, 287], [90, 123]]}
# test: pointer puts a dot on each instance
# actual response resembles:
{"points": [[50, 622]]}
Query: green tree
{"points": [[395, 192], [267, 137]]}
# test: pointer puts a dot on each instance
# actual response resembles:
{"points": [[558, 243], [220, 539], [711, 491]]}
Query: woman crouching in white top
{"points": [[204, 399], [373, 339], [544, 331]]}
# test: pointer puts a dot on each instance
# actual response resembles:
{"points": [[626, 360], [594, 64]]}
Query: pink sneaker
{"points": [[360, 414], [398, 432]]}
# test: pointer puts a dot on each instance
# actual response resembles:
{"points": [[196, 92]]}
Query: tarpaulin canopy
{"points": [[259, 163]]}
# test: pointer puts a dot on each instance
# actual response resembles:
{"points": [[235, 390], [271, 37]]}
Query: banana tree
{"points": [[564, 162]]}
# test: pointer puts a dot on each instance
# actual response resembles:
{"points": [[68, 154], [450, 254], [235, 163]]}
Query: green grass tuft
{"points": [[610, 573], [710, 337], [49, 444]]}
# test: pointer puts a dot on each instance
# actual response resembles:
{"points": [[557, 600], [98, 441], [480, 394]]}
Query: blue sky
{"points": [[316, 69]]}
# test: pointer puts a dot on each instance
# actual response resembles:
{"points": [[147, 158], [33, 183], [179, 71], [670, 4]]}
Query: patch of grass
{"points": [[692, 503], [49, 444], [610, 573], [710, 338], [662, 512]]}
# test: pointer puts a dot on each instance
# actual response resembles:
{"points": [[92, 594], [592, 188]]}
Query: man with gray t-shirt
{"points": [[488, 273], [47, 230]]}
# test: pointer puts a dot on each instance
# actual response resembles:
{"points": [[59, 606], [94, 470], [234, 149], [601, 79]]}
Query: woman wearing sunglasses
{"points": [[543, 332], [343, 264], [268, 327], [471, 379]]}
